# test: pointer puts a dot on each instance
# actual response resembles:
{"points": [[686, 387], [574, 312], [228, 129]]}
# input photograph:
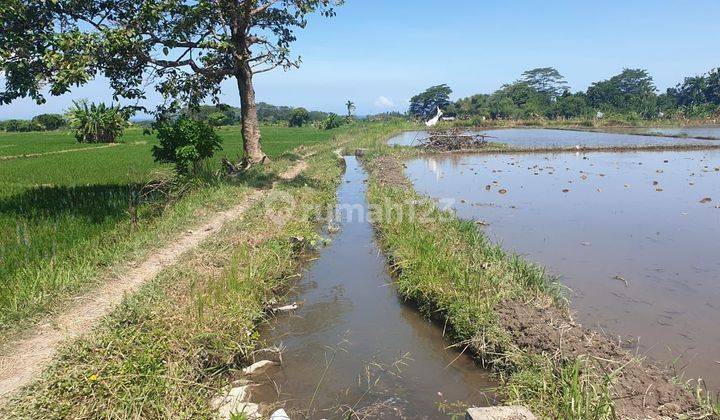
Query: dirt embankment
{"points": [[454, 140], [640, 389]]}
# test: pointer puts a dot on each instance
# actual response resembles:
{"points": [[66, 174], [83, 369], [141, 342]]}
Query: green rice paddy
{"points": [[65, 214]]}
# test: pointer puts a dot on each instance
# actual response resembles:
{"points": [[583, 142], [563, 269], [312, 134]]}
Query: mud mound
{"points": [[455, 140], [642, 390], [390, 172]]}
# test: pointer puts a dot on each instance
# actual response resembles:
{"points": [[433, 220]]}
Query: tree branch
{"points": [[192, 64], [263, 8]]}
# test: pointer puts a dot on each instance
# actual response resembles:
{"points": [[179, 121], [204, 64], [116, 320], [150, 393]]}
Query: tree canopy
{"points": [[546, 80], [299, 117], [631, 91], [424, 105], [186, 48], [631, 94]]}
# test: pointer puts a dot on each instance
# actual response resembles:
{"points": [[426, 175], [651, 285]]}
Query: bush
{"points": [[17, 126], [217, 119], [299, 117], [332, 121], [186, 143], [97, 123], [49, 121]]}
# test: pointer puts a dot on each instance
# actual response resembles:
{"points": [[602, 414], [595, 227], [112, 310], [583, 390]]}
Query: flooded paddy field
{"points": [[635, 236], [705, 132], [353, 345], [530, 138]]}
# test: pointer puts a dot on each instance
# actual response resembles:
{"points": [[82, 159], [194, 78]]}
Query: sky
{"points": [[379, 53]]}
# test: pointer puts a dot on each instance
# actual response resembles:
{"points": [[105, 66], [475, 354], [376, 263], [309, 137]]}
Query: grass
{"points": [[172, 346], [64, 218], [13, 144], [276, 140]]}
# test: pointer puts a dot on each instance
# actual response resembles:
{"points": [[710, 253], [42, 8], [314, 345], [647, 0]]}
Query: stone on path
{"points": [[513, 412], [279, 415], [233, 403], [258, 367]]}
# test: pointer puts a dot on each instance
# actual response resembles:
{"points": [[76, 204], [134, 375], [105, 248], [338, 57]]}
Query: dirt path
{"points": [[57, 152], [27, 357]]}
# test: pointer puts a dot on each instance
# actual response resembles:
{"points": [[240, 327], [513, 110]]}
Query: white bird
{"points": [[432, 122]]}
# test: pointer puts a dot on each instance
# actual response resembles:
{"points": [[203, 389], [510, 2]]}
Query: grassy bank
{"points": [[65, 219], [169, 348]]}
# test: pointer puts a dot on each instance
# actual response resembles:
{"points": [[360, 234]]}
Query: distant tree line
{"points": [[42, 122], [543, 93], [214, 115], [222, 114]]}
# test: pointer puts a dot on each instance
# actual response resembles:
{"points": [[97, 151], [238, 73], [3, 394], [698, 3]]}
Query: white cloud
{"points": [[384, 102]]}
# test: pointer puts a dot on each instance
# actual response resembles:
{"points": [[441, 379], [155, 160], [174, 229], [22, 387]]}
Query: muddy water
{"points": [[543, 138], [642, 260], [381, 356]]}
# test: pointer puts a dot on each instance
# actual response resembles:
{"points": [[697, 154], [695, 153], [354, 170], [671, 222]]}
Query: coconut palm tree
{"points": [[350, 108]]}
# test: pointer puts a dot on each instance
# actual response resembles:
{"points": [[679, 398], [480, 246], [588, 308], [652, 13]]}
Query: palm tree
{"points": [[350, 107]]}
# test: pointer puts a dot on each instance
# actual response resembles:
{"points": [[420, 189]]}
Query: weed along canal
{"points": [[634, 236], [353, 346]]}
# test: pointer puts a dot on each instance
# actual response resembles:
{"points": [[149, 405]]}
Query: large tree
{"points": [[425, 105], [632, 90], [546, 80], [187, 48]]}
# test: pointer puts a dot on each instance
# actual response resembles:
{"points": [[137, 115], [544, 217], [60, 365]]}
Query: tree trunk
{"points": [[252, 150]]}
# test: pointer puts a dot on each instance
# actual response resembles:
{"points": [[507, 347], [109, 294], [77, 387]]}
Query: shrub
{"points": [[49, 121], [17, 126], [35, 126], [97, 123], [332, 121], [217, 119], [185, 143], [299, 117]]}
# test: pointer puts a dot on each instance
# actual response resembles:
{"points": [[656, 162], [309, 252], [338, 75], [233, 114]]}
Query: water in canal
{"points": [[529, 138], [635, 236], [355, 344]]}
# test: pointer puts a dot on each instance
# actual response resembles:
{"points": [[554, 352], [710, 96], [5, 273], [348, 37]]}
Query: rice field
{"points": [[64, 212]]}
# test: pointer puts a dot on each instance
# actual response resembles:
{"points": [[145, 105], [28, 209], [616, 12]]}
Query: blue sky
{"points": [[379, 53]]}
